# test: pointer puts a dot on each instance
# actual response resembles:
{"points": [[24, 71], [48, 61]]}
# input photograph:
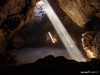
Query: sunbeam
{"points": [[63, 34], [51, 37]]}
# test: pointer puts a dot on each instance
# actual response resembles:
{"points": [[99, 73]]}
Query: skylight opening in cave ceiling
{"points": [[39, 10]]}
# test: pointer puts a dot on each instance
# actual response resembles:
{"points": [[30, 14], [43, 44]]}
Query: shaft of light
{"points": [[51, 37], [63, 34]]}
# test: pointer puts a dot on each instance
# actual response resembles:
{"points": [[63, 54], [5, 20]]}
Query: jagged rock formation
{"points": [[85, 13], [18, 41], [54, 65], [74, 10], [88, 42], [80, 11], [13, 15], [7, 58], [90, 39], [97, 40], [2, 42], [91, 42], [91, 7]]}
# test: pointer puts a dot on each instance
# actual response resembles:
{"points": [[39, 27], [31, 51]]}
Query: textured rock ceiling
{"points": [[81, 11]]}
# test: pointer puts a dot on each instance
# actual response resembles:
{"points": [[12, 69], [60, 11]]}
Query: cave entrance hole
{"points": [[39, 11]]}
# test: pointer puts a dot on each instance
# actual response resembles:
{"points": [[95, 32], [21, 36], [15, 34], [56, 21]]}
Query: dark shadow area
{"points": [[94, 24], [2, 2], [51, 65]]}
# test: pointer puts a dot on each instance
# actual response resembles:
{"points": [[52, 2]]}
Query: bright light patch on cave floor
{"points": [[63, 34], [51, 37]]}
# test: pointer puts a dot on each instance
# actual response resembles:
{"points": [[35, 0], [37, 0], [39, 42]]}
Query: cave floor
{"points": [[30, 55]]}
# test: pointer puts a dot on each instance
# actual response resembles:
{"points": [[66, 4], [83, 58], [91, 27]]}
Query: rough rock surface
{"points": [[91, 37], [73, 9], [14, 14], [80, 11], [7, 58], [86, 13], [18, 42], [91, 7], [2, 42], [54, 65], [91, 42], [88, 43]]}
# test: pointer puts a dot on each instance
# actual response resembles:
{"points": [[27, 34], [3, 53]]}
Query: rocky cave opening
{"points": [[30, 43]]}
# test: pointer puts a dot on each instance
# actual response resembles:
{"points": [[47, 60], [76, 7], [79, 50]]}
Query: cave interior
{"points": [[31, 44]]}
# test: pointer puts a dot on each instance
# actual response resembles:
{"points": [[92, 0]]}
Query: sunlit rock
{"points": [[74, 10], [80, 11], [89, 44]]}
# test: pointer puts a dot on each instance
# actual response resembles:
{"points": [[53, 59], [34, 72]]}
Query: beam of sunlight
{"points": [[51, 37], [63, 34]]}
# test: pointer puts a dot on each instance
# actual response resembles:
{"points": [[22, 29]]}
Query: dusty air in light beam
{"points": [[51, 37], [63, 34]]}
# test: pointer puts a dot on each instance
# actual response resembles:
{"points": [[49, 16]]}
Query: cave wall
{"points": [[86, 14], [73, 9], [2, 42], [13, 15], [80, 11]]}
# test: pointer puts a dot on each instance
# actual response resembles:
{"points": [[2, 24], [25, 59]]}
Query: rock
{"points": [[91, 7], [2, 42], [91, 43], [97, 40], [74, 10], [56, 65], [18, 42], [80, 11], [88, 44], [95, 63], [13, 16], [8, 58]]}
